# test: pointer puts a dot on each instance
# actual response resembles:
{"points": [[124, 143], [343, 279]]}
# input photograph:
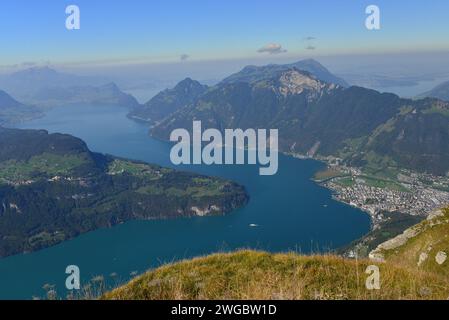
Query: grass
{"points": [[437, 110], [432, 237], [386, 173], [382, 183], [119, 166], [352, 146], [260, 275], [202, 186], [246, 274], [327, 174], [46, 164], [376, 161], [345, 182]]}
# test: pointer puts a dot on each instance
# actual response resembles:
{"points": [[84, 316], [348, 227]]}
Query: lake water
{"points": [[291, 213]]}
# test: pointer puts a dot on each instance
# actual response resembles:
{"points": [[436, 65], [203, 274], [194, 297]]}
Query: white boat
{"points": [[252, 225]]}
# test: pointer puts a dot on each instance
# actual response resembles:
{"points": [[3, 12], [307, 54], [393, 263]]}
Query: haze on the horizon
{"points": [[140, 41], [171, 30]]}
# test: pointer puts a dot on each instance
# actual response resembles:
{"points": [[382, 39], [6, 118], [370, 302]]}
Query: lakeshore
{"points": [[292, 213]]}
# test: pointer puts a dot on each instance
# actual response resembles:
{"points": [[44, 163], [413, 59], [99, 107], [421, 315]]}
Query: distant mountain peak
{"points": [[309, 61], [188, 84], [255, 73], [27, 83], [111, 85], [45, 70], [170, 100], [187, 80], [295, 82]]}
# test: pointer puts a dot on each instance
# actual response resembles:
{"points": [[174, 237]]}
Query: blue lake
{"points": [[291, 213]]}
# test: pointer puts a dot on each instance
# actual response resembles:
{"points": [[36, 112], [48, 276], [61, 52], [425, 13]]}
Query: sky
{"points": [[167, 31]]}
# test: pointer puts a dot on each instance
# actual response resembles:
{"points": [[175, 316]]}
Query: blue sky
{"points": [[134, 31]]}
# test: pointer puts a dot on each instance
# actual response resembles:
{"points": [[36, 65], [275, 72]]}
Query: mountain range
{"points": [[45, 87], [317, 118], [24, 84], [317, 113], [108, 94]]}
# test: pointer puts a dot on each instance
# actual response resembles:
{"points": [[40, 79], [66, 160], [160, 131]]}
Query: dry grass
{"points": [[260, 275], [433, 238]]}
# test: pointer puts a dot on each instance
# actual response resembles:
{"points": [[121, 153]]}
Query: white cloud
{"points": [[272, 48]]}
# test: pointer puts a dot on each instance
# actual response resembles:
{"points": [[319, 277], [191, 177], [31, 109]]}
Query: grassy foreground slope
{"points": [[260, 275], [413, 265], [424, 246]]}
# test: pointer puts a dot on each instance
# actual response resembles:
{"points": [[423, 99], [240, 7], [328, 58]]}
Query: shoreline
{"points": [[389, 210]]}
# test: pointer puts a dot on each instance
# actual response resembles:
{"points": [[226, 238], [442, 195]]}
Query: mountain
{"points": [[257, 73], [24, 84], [44, 87], [169, 101], [261, 104], [108, 94], [53, 188], [12, 111], [440, 92], [417, 137], [188, 90], [361, 126]]}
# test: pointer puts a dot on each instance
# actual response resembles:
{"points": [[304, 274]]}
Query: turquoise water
{"points": [[290, 211]]}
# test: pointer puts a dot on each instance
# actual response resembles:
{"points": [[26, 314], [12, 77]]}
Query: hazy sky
{"points": [[136, 31]]}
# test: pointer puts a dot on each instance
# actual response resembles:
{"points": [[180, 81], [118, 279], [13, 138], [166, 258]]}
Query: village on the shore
{"points": [[411, 192]]}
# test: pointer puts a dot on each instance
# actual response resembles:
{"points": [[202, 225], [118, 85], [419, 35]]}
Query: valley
{"points": [[377, 162], [385, 154], [224, 151], [285, 212]]}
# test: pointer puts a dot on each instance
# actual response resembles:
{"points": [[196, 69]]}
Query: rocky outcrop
{"points": [[400, 240]]}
